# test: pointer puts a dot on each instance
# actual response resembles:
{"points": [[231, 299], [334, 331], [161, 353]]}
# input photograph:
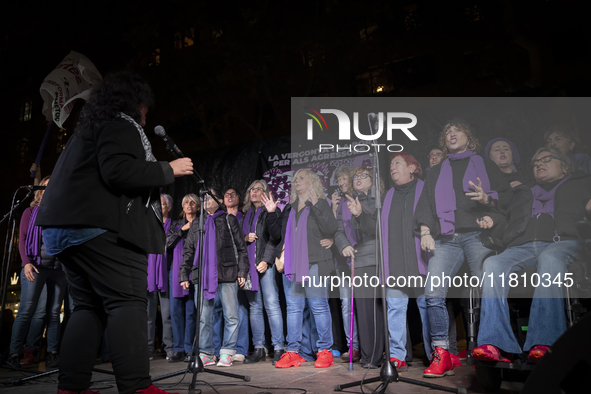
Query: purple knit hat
{"points": [[511, 144]]}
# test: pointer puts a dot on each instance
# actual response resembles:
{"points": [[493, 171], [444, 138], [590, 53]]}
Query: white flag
{"points": [[72, 79]]}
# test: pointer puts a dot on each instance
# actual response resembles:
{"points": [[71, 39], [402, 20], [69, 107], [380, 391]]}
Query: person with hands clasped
{"points": [[459, 199], [225, 267]]}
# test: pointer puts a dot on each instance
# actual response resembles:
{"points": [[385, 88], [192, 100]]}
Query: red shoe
{"points": [[400, 365], [490, 353], [463, 355], [29, 357], [535, 353], [455, 360], [152, 390], [440, 366], [289, 359], [324, 359], [87, 391]]}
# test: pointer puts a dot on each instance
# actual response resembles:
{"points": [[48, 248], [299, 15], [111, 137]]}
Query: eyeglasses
{"points": [[256, 189], [360, 176], [545, 159], [230, 195], [432, 155]]}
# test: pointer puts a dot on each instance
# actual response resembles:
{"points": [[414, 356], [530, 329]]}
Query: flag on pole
{"points": [[72, 79]]}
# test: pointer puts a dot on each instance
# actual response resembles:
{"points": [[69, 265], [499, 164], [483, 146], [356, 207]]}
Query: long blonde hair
{"points": [[39, 193], [192, 197], [247, 202], [315, 183]]}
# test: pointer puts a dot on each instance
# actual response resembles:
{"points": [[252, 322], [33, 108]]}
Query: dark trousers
{"points": [[369, 326], [108, 282]]}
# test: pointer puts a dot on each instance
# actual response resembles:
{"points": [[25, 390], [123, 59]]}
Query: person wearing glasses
{"points": [[306, 221], [261, 256], [345, 236], [363, 257], [225, 268], [458, 195], [505, 155], [435, 157], [562, 138], [540, 233], [182, 307]]}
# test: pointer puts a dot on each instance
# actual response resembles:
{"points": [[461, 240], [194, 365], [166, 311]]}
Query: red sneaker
{"points": [[463, 355], [400, 365], [455, 360], [289, 359], [87, 391], [490, 353], [535, 353], [324, 359], [152, 390], [29, 357], [440, 366]]}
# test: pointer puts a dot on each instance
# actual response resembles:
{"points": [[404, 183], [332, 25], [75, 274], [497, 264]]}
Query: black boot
{"points": [[258, 355], [277, 355]]}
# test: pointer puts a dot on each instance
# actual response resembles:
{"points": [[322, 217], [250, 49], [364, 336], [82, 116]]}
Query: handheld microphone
{"points": [[170, 145]]}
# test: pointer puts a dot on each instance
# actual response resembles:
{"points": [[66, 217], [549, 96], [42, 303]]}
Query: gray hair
{"points": [[192, 197], [247, 202], [565, 161], [168, 199]]}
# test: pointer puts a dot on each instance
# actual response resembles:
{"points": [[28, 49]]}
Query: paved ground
{"points": [[267, 379]]}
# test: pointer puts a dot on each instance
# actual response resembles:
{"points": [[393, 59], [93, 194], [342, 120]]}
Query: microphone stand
{"points": [[195, 365], [388, 372]]}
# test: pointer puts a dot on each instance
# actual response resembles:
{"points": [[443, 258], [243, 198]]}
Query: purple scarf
{"points": [[209, 276], [177, 260], [252, 247], [157, 275], [33, 241], [385, 213], [544, 200], [296, 245], [350, 232], [445, 195]]}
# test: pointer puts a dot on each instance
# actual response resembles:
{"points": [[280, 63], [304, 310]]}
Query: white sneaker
{"points": [[225, 360], [238, 358]]}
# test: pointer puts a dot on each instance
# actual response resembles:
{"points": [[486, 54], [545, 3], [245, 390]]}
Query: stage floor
{"points": [[267, 378]]}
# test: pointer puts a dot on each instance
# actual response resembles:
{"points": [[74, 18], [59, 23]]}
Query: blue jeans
{"points": [[37, 326], [397, 302], [218, 324], [183, 317], [317, 299], [308, 347], [345, 296], [228, 295], [547, 320], [268, 295], [30, 293], [451, 250]]}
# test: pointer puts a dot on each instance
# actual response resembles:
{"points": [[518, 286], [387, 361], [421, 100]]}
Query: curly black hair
{"points": [[122, 91]]}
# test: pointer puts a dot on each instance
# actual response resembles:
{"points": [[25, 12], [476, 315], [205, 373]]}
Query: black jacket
{"points": [[264, 244], [365, 225], [321, 224], [229, 268], [102, 180], [570, 200]]}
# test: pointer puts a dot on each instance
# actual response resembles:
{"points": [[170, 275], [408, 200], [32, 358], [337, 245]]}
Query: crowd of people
{"points": [[255, 254]]}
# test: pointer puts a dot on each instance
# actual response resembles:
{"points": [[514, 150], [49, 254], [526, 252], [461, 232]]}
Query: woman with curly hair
{"points": [[102, 215], [458, 199], [306, 221]]}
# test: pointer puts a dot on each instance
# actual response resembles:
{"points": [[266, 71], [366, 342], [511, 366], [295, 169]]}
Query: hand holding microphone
{"points": [[182, 166]]}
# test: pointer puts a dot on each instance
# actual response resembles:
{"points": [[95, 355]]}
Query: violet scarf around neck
{"points": [[157, 273], [445, 195], [33, 241], [177, 260], [297, 261], [209, 276], [544, 200], [422, 262], [251, 249], [346, 217]]}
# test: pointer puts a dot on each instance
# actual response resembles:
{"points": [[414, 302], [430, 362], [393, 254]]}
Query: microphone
{"points": [[170, 145], [35, 187]]}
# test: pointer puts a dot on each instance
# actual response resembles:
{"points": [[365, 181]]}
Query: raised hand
{"points": [[312, 196], [479, 194], [269, 203], [354, 206]]}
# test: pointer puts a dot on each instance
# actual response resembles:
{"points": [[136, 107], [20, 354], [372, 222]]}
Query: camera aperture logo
{"points": [[376, 129]]}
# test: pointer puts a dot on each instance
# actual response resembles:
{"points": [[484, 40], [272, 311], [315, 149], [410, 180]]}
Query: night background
{"points": [[223, 73]]}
